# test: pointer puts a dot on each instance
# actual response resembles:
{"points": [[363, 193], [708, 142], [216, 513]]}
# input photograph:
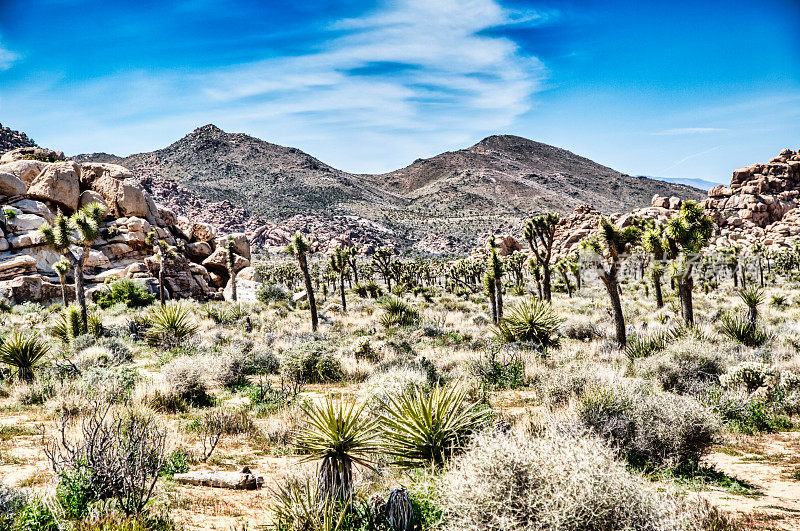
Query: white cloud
{"points": [[689, 131], [446, 81], [7, 58]]}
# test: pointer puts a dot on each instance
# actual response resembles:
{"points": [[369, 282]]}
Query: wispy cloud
{"points": [[410, 77], [7, 57], [688, 158], [689, 131]]}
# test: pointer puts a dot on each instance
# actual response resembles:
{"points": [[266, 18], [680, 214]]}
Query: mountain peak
{"points": [[505, 141]]}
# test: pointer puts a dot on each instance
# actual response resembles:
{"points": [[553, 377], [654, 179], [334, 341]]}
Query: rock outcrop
{"points": [[33, 192]]}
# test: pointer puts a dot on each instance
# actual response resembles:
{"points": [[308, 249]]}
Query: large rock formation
{"points": [[33, 192]]}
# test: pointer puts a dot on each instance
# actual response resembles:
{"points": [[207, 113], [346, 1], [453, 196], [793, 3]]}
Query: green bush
{"points": [[35, 516], [397, 312], [749, 414], [268, 293], [125, 291], [496, 370], [531, 321], [748, 375], [11, 502], [651, 430], [311, 362], [175, 462], [75, 492]]}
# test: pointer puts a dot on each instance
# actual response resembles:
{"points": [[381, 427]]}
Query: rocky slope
{"points": [[441, 204], [33, 192], [10, 139]]}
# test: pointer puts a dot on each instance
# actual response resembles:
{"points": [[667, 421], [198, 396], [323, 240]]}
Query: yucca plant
{"points": [[172, 322], [340, 436], [23, 351], [644, 345], [742, 329], [425, 428], [531, 321], [751, 296], [68, 325], [296, 506], [397, 312]]}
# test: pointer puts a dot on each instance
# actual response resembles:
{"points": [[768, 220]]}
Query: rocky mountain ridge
{"points": [[442, 204]]}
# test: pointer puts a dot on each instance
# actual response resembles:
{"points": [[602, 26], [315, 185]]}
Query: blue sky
{"points": [[666, 88]]}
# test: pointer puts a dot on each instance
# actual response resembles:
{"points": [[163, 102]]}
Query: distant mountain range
{"points": [[695, 183], [240, 182]]}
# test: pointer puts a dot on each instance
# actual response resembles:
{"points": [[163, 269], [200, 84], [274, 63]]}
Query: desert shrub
{"points": [[224, 314], [392, 382], [176, 462], [37, 392], [427, 427], [311, 362], [116, 453], [531, 321], [11, 502], [498, 368], [365, 351], [169, 325], [119, 351], [580, 329], [263, 361], [35, 516], [68, 325], [295, 504], [186, 378], [558, 387], [686, 368], [265, 399], [748, 375], [227, 369], [125, 291], [117, 382], [397, 312], [653, 430], [645, 345], [747, 413], [739, 328], [268, 293], [558, 481]]}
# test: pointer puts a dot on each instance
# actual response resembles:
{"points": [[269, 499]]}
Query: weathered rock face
{"points": [[58, 183], [32, 193]]}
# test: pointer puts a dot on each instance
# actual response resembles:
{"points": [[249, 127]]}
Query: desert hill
{"points": [[242, 183]]}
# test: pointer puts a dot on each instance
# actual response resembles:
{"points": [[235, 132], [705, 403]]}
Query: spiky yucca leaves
{"points": [[68, 325], [296, 506], [397, 312], [751, 296], [23, 351], [425, 428], [400, 511], [340, 436], [531, 321], [743, 330], [172, 322]]}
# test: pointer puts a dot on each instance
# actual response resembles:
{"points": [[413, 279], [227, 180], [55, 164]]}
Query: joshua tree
{"points": [[515, 262], [382, 260], [654, 243], [61, 268], [752, 297], [537, 276], [610, 246], [79, 230], [162, 253], [496, 270], [539, 232], [685, 236], [563, 267], [352, 255], [230, 260], [299, 248], [732, 255], [339, 265], [757, 250], [489, 284]]}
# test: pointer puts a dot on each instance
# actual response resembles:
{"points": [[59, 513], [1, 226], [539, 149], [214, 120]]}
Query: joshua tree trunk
{"points": [[341, 289], [610, 281], [63, 279], [546, 282], [490, 290], [498, 283], [312, 303], [161, 268], [760, 272], [233, 285], [537, 275], [752, 314], [657, 290], [566, 282], [685, 286], [80, 296]]}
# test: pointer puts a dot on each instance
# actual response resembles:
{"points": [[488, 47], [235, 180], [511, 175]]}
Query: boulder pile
{"points": [[33, 192]]}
